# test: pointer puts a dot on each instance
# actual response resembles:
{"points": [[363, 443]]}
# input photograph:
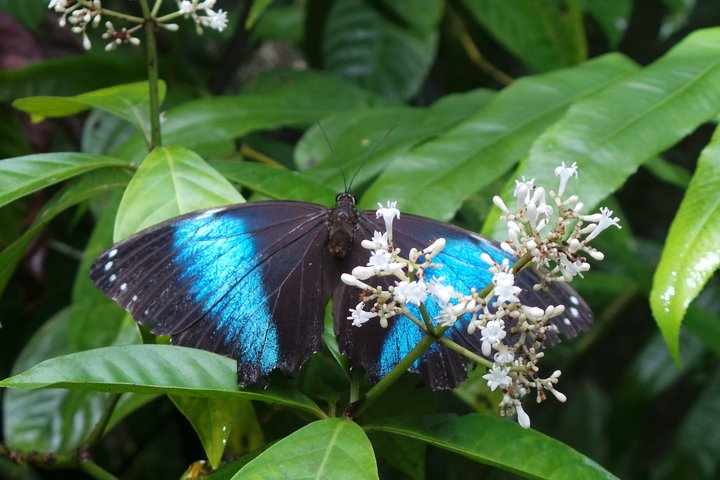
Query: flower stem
{"points": [[79, 460], [460, 350], [153, 80], [99, 428], [357, 408]]}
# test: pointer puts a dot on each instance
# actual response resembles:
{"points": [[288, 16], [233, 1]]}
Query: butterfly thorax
{"points": [[343, 223]]}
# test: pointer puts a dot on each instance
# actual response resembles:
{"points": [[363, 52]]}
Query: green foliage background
{"points": [[479, 92]]}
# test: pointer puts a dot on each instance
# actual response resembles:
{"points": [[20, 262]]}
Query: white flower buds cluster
{"points": [[556, 239], [81, 13]]}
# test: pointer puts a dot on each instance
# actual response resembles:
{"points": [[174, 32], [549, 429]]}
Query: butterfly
{"points": [[252, 281]]}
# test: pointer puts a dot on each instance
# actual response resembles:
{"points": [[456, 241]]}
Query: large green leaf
{"points": [[325, 449], [498, 442], [95, 318], [71, 75], [545, 34], [385, 132], [165, 369], [361, 45], [692, 249], [212, 419], [129, 101], [285, 98], [612, 15], [276, 183], [611, 133], [55, 420], [83, 188], [696, 449], [21, 176], [440, 174], [169, 182]]}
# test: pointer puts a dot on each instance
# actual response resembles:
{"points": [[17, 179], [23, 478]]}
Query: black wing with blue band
{"points": [[231, 281]]}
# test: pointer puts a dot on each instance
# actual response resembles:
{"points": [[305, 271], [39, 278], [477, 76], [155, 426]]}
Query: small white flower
{"points": [[379, 241], [58, 5], [565, 173], [442, 292], [360, 316], [522, 191], [523, 418], [505, 288], [215, 20], [186, 7], [352, 281], [498, 377], [388, 214], [447, 316], [493, 333], [207, 5], [410, 292], [606, 220], [379, 259], [504, 355]]}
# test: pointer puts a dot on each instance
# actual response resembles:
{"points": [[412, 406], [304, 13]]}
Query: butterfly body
{"points": [[251, 281]]}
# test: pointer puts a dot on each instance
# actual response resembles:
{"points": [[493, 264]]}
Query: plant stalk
{"points": [[153, 79]]}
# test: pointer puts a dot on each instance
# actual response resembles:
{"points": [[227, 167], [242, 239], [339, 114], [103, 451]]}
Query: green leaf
{"points": [[21, 176], [385, 132], [13, 141], [88, 303], [256, 10], [104, 132], [83, 188], [696, 449], [209, 125], [165, 369], [545, 34], [169, 182], [361, 45], [498, 442], [668, 172], [690, 255], [55, 420], [276, 183], [611, 133], [679, 12], [440, 174], [71, 75], [325, 449], [612, 15], [129, 101], [212, 419]]}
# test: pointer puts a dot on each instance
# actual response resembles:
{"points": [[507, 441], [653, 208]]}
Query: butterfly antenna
{"points": [[372, 152], [342, 172]]}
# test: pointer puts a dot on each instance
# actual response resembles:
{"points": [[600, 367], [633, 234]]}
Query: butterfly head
{"points": [[343, 223]]}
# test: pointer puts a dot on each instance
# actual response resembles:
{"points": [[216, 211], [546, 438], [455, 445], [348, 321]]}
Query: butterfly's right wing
{"points": [[379, 349], [248, 281]]}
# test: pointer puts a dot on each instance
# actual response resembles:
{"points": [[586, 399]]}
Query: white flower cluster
{"points": [[81, 13], [385, 260], [554, 242], [512, 334], [217, 20]]}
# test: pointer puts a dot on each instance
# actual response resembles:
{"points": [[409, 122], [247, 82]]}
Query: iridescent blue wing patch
{"points": [[379, 349], [248, 281]]}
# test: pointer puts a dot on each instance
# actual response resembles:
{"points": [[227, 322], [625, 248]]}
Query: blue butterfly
{"points": [[251, 281]]}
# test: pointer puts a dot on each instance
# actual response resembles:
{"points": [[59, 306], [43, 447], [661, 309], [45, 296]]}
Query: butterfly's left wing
{"points": [[248, 281], [378, 350]]}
